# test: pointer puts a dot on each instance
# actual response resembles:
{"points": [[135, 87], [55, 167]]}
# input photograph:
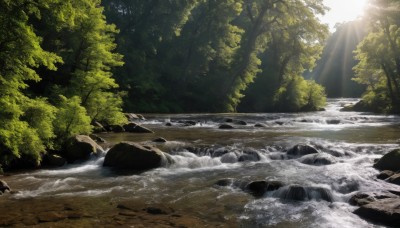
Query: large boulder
{"points": [[53, 160], [318, 159], [80, 147], [133, 156], [301, 150], [4, 187], [383, 211], [136, 128], [389, 161]]}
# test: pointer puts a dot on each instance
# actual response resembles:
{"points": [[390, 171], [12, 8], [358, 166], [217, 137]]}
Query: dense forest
{"points": [[65, 65]]}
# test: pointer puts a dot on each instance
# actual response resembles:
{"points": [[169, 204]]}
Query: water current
{"points": [[204, 155]]}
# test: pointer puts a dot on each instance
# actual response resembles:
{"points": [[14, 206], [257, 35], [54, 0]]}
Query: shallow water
{"points": [[353, 140]]}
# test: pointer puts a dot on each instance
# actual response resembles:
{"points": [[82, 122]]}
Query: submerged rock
{"points": [[133, 156], [80, 147], [389, 161], [249, 156], [225, 126], [333, 121], [4, 187], [160, 140], [259, 188], [241, 122], [383, 211], [300, 193], [318, 159], [225, 182], [136, 128], [301, 150], [260, 125]]}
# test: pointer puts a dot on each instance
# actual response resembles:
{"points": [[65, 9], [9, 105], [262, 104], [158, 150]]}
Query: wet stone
{"points": [[385, 174]]}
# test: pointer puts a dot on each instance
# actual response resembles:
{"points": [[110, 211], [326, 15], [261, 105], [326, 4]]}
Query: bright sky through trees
{"points": [[343, 10]]}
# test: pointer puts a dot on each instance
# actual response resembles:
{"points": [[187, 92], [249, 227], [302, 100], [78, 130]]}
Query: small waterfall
{"points": [[300, 193]]}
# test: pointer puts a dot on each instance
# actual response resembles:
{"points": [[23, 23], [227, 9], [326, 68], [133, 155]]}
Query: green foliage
{"points": [[298, 94], [72, 119], [51, 44], [379, 57], [39, 114]]}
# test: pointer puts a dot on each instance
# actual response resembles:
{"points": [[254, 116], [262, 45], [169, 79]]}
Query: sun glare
{"points": [[343, 10]]}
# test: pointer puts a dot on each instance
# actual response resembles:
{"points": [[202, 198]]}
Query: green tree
{"points": [[379, 57], [20, 54]]}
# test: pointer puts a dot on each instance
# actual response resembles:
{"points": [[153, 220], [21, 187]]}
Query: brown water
{"points": [[90, 195]]}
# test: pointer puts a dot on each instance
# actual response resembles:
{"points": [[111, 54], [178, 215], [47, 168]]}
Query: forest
{"points": [[65, 65]]}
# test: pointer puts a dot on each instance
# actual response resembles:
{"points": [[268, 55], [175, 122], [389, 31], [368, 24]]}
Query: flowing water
{"points": [[204, 154]]}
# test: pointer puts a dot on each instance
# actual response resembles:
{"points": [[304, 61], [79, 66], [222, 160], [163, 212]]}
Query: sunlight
{"points": [[343, 10]]}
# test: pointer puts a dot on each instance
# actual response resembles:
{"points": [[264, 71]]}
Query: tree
{"points": [[21, 135], [379, 57]]}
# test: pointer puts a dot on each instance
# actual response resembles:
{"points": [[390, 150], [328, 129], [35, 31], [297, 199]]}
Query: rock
{"points": [[230, 157], [280, 122], [4, 187], [333, 121], [293, 192], [249, 156], [225, 182], [136, 128], [318, 159], [140, 116], [301, 150], [385, 174], [132, 116], [389, 161], [116, 128], [160, 140], [133, 156], [169, 124], [229, 120], [53, 160], [300, 193], [395, 179], [319, 193], [259, 125], [98, 127], [241, 122], [362, 198], [97, 138], [80, 147], [155, 211], [259, 188], [225, 126], [190, 122], [383, 211]]}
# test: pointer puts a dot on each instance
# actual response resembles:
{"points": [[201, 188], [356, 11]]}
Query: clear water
{"points": [[354, 139]]}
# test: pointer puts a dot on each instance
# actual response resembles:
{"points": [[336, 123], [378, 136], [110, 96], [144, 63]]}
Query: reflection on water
{"points": [[204, 154]]}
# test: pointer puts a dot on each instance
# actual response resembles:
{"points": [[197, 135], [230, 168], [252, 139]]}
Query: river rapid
{"points": [[204, 155]]}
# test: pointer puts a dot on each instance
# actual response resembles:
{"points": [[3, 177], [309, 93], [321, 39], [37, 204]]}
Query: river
{"points": [[188, 187]]}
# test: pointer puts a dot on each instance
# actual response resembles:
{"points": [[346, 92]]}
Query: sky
{"points": [[342, 10]]}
